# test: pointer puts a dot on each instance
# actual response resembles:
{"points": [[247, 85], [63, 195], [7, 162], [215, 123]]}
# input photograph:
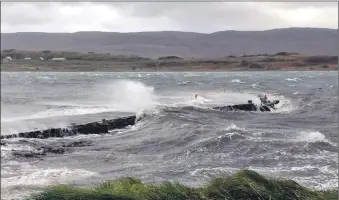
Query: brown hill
{"points": [[312, 41]]}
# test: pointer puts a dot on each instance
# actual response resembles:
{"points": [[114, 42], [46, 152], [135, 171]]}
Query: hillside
{"points": [[312, 41]]}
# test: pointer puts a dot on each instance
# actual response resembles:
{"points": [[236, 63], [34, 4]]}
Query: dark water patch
{"points": [[39, 149], [322, 146]]}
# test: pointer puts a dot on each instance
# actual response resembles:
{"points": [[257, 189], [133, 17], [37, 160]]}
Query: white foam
{"points": [[46, 77], [191, 75], [327, 170], [258, 134], [234, 127], [230, 97], [293, 79], [285, 104], [237, 81], [60, 113], [306, 181], [303, 168], [232, 135], [34, 178], [312, 136], [212, 171], [43, 177], [256, 85], [198, 101]]}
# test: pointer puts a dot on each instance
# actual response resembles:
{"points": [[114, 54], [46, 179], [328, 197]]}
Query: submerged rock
{"points": [[37, 149], [27, 154], [38, 153], [78, 144]]}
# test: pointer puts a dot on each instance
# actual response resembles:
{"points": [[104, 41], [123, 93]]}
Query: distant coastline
{"points": [[16, 61]]}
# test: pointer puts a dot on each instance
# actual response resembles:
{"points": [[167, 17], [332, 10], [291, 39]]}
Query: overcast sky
{"points": [[202, 17]]}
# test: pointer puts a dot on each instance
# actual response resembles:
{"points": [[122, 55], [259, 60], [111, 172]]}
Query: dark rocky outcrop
{"points": [[38, 149], [89, 128], [42, 151], [27, 154], [121, 122], [249, 107], [170, 58], [285, 54], [78, 144], [242, 107]]}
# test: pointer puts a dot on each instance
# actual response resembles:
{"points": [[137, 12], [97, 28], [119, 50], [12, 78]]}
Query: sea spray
{"points": [[128, 96]]}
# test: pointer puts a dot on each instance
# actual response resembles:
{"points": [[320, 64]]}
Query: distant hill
{"points": [[312, 41]]}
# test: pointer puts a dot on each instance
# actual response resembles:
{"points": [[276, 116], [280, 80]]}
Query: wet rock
{"points": [[89, 128], [121, 122], [243, 107], [53, 150], [78, 144], [41, 151], [249, 107], [27, 154]]}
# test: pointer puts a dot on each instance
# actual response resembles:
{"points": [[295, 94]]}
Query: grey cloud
{"points": [[213, 16], [140, 16], [150, 9], [296, 5], [15, 14], [206, 16]]}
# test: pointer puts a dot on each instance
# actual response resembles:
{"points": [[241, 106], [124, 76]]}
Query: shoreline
{"points": [[67, 68], [170, 71], [183, 71], [254, 63]]}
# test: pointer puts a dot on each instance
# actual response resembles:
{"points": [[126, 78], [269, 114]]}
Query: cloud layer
{"points": [[204, 17]]}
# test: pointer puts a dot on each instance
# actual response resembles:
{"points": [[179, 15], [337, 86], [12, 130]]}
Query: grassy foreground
{"points": [[243, 185]]}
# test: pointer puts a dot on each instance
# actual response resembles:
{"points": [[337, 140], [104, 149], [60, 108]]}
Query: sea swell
{"points": [[178, 137]]}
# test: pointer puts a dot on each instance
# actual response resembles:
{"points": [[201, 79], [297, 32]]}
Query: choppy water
{"points": [[180, 138]]}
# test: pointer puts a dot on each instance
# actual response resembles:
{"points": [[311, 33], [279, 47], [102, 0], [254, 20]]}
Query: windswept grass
{"points": [[243, 185]]}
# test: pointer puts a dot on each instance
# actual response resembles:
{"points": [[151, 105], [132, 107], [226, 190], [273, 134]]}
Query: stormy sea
{"points": [[178, 137]]}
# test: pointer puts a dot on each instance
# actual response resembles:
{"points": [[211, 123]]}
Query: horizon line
{"points": [[229, 30]]}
